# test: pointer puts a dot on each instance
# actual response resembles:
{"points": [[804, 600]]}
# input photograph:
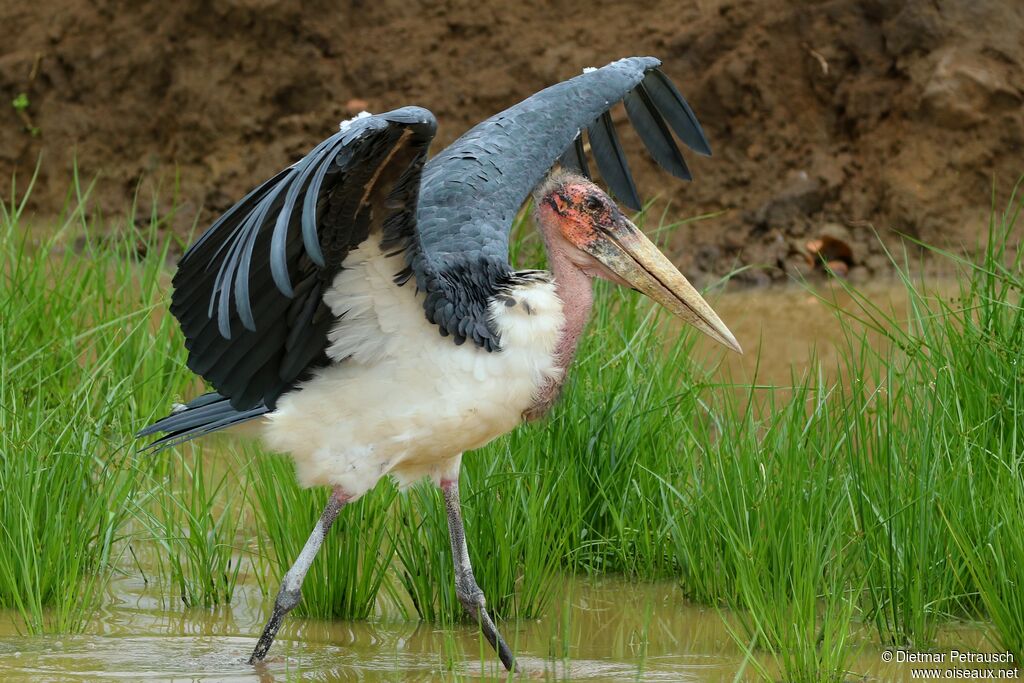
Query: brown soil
{"points": [[828, 118]]}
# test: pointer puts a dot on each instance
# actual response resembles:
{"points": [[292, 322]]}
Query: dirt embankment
{"points": [[827, 118]]}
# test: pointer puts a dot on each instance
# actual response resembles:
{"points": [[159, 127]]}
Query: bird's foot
{"points": [[284, 603], [267, 638], [474, 602]]}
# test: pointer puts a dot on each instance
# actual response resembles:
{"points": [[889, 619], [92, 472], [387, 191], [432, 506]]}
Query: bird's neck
{"points": [[575, 290]]}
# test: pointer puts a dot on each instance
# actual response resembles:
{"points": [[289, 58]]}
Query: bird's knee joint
{"points": [[287, 599], [470, 595]]}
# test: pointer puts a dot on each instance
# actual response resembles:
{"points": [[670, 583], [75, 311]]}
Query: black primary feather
{"points": [[574, 157], [203, 415], [611, 161], [654, 133], [674, 107]]}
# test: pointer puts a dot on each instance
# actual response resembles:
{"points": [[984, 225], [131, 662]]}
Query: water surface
{"points": [[606, 629]]}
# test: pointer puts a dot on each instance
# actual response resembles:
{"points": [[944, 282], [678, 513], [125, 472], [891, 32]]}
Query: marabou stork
{"points": [[362, 306]]}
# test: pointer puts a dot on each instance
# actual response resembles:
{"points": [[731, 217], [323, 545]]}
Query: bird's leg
{"points": [[291, 586], [469, 594]]}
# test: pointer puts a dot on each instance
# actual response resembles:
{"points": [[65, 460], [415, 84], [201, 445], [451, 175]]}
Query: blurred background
{"points": [[829, 120]]}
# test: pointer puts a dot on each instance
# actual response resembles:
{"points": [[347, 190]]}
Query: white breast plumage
{"points": [[401, 400]]}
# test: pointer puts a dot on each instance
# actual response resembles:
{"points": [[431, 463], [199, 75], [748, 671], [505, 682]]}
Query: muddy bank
{"points": [[826, 117]]}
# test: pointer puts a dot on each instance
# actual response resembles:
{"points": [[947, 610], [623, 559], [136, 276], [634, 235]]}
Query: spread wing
{"points": [[249, 292], [473, 189]]}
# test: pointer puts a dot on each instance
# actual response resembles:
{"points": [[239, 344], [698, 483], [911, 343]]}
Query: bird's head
{"points": [[582, 222]]}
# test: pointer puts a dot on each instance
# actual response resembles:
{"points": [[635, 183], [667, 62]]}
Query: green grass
{"points": [[77, 359], [767, 534], [194, 518], [509, 514], [889, 499], [350, 568]]}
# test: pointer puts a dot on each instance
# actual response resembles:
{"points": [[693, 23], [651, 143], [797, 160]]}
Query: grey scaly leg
{"points": [[291, 586], [469, 594]]}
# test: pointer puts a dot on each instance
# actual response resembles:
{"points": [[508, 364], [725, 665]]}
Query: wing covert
{"points": [[472, 190]]}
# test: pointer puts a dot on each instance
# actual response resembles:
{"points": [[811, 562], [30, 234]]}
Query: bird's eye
{"points": [[593, 203]]}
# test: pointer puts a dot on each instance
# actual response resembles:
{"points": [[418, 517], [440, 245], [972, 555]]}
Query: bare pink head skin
{"points": [[587, 236]]}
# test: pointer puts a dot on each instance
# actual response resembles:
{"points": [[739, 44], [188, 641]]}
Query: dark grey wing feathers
{"points": [[259, 273], [611, 161], [673, 106], [200, 249], [203, 415], [472, 190], [655, 134], [243, 298], [575, 158]]}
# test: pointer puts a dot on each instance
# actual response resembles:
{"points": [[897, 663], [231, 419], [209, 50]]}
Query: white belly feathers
{"points": [[401, 400]]}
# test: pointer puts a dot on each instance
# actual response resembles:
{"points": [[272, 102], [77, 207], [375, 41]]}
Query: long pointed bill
{"points": [[627, 252]]}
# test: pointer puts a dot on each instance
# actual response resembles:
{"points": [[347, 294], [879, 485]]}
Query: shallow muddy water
{"points": [[610, 629]]}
